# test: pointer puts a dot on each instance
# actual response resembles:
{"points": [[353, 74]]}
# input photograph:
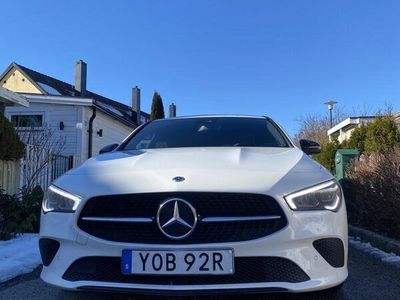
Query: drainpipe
{"points": [[90, 131]]}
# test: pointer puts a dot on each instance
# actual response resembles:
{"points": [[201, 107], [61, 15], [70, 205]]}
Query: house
{"points": [[344, 129], [396, 118], [87, 121], [10, 98]]}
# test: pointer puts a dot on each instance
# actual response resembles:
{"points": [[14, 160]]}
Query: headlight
{"points": [[59, 200], [327, 195]]}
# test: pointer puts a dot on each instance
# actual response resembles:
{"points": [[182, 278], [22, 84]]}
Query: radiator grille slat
{"points": [[268, 217]]}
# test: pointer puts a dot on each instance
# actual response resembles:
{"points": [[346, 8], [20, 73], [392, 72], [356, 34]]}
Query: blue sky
{"points": [[276, 58]]}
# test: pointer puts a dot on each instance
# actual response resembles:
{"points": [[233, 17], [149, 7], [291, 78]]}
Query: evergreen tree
{"points": [[157, 107], [357, 138], [327, 155], [381, 135], [10, 145], [378, 136]]}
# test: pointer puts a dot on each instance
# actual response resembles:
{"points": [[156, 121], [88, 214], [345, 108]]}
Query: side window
{"points": [[25, 121]]}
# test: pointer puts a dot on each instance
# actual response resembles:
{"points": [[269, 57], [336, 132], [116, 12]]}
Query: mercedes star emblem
{"points": [[176, 218], [178, 179]]}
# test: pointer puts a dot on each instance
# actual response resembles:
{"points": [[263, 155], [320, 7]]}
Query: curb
{"points": [[378, 241], [23, 277]]}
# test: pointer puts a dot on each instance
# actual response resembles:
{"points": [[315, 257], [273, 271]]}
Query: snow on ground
{"points": [[19, 256], [382, 255]]}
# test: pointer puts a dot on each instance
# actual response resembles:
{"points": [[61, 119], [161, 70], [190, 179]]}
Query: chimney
{"points": [[80, 77], [136, 103], [172, 110]]}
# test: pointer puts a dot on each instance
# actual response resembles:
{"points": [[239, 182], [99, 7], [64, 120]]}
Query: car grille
{"points": [[247, 270], [206, 204]]}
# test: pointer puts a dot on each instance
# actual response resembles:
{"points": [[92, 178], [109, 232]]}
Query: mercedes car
{"points": [[212, 204]]}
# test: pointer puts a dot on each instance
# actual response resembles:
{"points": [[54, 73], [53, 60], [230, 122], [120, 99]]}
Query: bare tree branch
{"points": [[315, 126], [41, 146]]}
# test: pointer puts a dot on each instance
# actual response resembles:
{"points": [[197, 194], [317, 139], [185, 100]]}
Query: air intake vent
{"points": [[332, 250]]}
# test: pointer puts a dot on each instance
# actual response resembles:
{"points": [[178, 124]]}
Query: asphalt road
{"points": [[369, 278]]}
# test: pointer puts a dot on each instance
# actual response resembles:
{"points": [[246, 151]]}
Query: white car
{"points": [[197, 205]]}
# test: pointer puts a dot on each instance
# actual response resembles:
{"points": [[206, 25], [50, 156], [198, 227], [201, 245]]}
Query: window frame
{"points": [[284, 134], [30, 113]]}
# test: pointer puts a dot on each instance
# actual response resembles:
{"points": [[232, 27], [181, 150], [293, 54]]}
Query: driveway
{"points": [[370, 278]]}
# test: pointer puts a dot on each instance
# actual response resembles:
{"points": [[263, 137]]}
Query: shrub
{"points": [[381, 135], [10, 145], [357, 139], [30, 209], [378, 136], [20, 213], [373, 192], [10, 216], [327, 155]]}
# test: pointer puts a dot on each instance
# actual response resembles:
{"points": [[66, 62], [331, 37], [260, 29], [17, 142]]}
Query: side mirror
{"points": [[108, 148], [310, 147]]}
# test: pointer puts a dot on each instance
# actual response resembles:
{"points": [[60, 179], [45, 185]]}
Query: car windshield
{"points": [[208, 132]]}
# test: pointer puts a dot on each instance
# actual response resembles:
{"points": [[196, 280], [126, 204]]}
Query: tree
{"points": [[315, 126], [378, 136], [157, 107], [42, 147], [382, 135], [327, 155], [357, 138], [10, 145]]}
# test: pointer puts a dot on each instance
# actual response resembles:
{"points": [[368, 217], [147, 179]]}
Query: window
{"points": [[27, 121], [208, 132]]}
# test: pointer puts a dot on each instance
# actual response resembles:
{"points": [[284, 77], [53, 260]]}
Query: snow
{"points": [[49, 89], [19, 256], [368, 248]]}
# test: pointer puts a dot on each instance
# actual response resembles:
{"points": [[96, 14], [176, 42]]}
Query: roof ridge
{"points": [[71, 85], [67, 89], [44, 75]]}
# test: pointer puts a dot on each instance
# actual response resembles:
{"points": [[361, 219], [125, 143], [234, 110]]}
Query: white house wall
{"points": [[53, 114], [76, 125], [113, 130]]}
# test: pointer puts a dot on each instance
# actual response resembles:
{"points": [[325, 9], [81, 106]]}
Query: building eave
{"points": [[11, 98], [349, 122], [77, 101], [59, 100]]}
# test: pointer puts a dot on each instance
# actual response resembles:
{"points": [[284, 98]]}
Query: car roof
{"points": [[216, 116]]}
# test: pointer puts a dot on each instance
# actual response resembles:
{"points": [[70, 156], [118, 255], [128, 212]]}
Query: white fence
{"points": [[39, 166], [9, 174]]}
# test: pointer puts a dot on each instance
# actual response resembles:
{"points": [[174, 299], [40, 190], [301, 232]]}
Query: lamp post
{"points": [[330, 105]]}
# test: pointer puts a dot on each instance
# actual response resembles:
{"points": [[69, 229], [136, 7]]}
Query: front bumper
{"points": [[293, 243]]}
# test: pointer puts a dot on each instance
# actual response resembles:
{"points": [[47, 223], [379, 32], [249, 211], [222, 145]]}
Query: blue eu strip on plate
{"points": [[126, 265]]}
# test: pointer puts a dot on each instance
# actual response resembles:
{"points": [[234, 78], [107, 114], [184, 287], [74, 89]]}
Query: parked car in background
{"points": [[197, 205]]}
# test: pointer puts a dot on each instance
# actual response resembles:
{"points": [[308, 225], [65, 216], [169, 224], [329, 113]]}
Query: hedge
{"points": [[20, 213], [10, 145]]}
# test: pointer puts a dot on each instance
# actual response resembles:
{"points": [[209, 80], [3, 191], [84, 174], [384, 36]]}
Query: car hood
{"points": [[230, 169]]}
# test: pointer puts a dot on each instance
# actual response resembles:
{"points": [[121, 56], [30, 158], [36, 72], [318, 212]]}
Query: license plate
{"points": [[177, 262]]}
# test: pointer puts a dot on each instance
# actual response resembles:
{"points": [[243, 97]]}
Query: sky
{"points": [[278, 58]]}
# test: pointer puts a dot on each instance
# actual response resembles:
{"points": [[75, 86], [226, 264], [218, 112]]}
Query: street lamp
{"points": [[330, 105]]}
